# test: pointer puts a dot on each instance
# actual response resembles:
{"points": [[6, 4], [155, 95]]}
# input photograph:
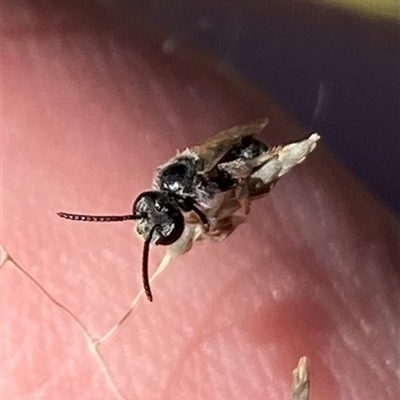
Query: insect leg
{"points": [[222, 228], [243, 196], [202, 217]]}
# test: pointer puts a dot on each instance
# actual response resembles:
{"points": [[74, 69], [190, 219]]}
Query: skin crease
{"points": [[91, 105]]}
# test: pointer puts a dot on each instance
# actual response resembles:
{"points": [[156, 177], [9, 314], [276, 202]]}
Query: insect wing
{"points": [[216, 147]]}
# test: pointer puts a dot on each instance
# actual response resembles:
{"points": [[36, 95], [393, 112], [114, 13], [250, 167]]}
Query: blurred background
{"points": [[333, 64]]}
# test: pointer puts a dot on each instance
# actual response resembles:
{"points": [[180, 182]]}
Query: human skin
{"points": [[91, 105]]}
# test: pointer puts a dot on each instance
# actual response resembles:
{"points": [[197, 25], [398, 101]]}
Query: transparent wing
{"points": [[214, 148]]}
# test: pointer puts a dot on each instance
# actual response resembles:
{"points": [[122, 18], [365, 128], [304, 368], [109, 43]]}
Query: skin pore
{"points": [[91, 106]]}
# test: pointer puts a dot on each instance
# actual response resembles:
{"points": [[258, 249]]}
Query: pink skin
{"points": [[91, 105]]}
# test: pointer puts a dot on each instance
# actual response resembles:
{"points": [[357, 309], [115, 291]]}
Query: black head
{"points": [[158, 209], [160, 222]]}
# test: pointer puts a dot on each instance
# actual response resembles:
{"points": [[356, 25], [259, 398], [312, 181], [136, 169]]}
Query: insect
{"points": [[199, 193]]}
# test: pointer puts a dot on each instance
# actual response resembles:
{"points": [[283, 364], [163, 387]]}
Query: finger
{"points": [[89, 113]]}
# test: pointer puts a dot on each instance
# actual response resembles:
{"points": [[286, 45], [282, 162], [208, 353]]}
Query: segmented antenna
{"points": [[117, 218], [145, 264], [98, 218]]}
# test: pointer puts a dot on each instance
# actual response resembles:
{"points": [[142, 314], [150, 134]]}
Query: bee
{"points": [[199, 193]]}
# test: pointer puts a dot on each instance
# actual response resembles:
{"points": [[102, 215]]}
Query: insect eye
{"points": [[171, 231]]}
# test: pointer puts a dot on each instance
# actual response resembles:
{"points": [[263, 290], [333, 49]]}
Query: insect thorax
{"points": [[177, 175], [181, 176]]}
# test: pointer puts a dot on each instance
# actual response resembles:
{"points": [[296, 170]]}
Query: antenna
{"points": [[98, 218], [145, 264]]}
